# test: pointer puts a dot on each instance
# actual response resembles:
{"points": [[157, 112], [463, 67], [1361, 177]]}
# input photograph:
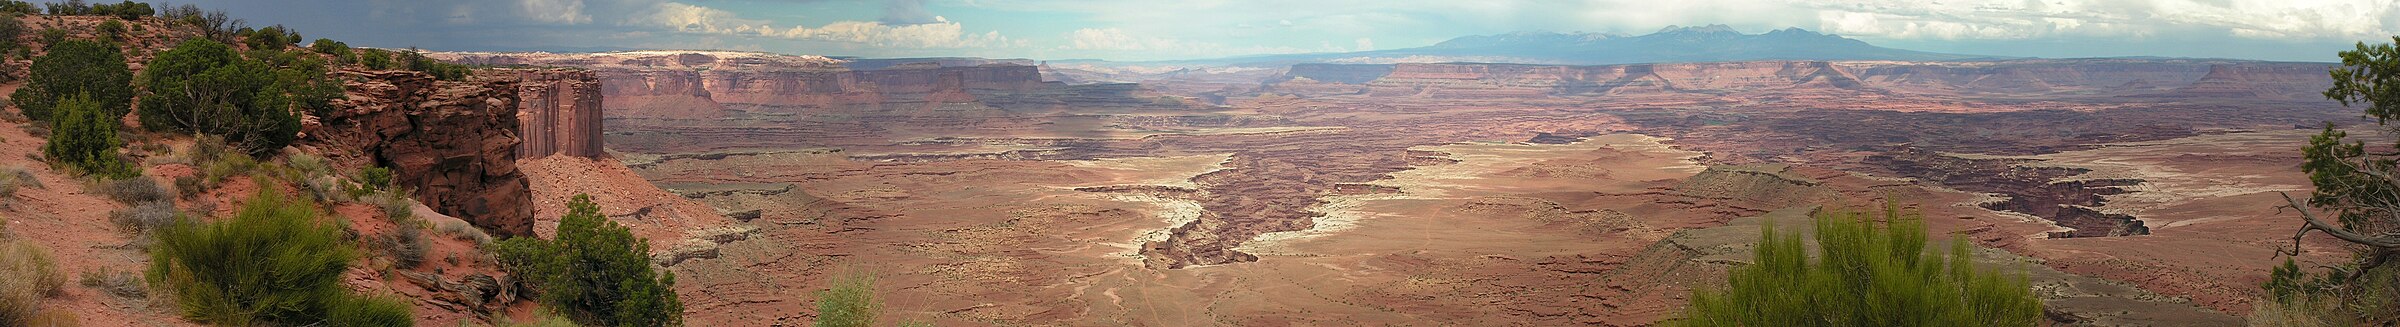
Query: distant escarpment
{"points": [[672, 84], [455, 143], [2011, 78]]}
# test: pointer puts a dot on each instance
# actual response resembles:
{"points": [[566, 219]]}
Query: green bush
{"points": [[19, 8], [375, 59], [127, 10], [1864, 275], [202, 86], [273, 262], [85, 139], [850, 302], [112, 31], [77, 67], [596, 272]]}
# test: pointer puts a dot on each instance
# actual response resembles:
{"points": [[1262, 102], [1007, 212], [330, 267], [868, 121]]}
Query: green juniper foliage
{"points": [[2356, 186], [75, 67], [273, 263], [202, 86], [595, 272], [1865, 274], [85, 138]]}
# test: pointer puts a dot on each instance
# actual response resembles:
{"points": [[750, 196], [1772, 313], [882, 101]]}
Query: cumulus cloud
{"points": [[2016, 19], [554, 11]]}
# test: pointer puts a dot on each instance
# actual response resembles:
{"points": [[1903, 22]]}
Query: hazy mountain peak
{"points": [[1710, 29]]}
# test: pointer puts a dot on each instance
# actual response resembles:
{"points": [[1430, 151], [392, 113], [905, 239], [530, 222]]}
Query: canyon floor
{"points": [[1357, 208]]}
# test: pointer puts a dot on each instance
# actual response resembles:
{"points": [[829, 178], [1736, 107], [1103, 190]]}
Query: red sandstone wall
{"points": [[559, 112]]}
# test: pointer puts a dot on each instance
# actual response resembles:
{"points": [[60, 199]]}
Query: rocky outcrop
{"points": [[559, 112], [454, 143], [1340, 73], [2037, 191]]}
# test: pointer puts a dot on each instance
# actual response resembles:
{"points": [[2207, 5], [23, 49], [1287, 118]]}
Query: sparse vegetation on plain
{"points": [[1868, 271]]}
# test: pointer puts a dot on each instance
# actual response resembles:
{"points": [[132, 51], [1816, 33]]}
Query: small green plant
{"points": [[849, 302], [273, 262], [85, 139], [1865, 274], [596, 272]]}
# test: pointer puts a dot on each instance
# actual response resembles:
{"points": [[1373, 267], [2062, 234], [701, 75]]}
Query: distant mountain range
{"points": [[1672, 44]]}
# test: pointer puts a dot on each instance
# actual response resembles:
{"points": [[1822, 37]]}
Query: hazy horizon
{"points": [[1178, 30]]}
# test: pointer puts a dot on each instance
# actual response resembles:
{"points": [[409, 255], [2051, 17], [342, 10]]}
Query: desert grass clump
{"points": [[123, 284], [134, 190], [595, 271], [397, 208], [145, 217], [406, 246], [1865, 274], [463, 231], [849, 302], [31, 276], [16, 178], [273, 263]]}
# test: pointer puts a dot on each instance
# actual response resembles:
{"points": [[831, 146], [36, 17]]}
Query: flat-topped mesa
{"points": [[559, 112], [688, 84]]}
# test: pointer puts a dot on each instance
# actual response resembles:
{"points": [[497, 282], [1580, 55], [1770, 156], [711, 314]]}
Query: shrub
{"points": [[849, 302], [112, 31], [596, 272], [31, 277], [127, 10], [85, 139], [14, 178], [396, 207], [77, 67], [464, 232], [273, 262], [376, 59], [120, 283], [134, 190], [189, 187], [144, 217], [375, 179], [407, 246], [1864, 275], [18, 8], [202, 86]]}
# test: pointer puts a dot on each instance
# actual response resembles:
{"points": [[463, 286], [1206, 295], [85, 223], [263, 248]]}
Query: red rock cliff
{"points": [[558, 112], [454, 143]]}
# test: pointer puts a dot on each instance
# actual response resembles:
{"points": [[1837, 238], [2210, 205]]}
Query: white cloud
{"points": [[554, 11], [1364, 44], [2018, 19]]}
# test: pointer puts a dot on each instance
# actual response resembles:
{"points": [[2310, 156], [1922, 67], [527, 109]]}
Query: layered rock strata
{"points": [[559, 112], [454, 143]]}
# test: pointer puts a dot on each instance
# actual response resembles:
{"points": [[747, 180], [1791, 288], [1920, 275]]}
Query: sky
{"points": [[1139, 30]]}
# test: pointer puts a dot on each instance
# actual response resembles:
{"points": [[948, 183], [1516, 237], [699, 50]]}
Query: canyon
{"points": [[1453, 193]]}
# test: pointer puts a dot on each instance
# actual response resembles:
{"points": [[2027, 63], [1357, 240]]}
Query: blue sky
{"points": [[2304, 30]]}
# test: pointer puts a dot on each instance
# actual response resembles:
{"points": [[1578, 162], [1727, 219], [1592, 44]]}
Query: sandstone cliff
{"points": [[559, 112], [689, 84], [454, 143]]}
